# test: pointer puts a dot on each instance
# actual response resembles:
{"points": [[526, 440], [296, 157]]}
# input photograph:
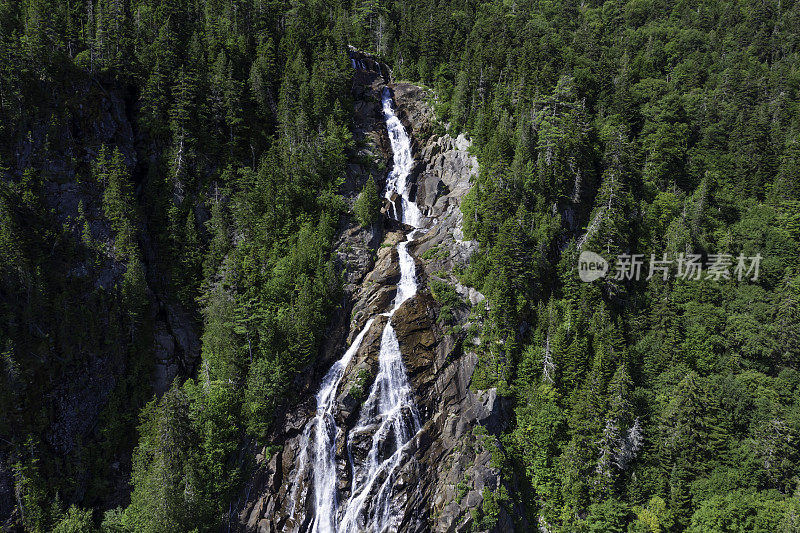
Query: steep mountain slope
{"points": [[82, 355], [191, 236], [447, 468]]}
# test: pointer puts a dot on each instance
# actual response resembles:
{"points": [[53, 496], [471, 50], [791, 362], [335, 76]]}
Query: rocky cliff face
{"points": [[442, 486], [60, 143], [61, 150]]}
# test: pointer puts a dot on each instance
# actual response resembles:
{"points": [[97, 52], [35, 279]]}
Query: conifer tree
{"points": [[368, 204], [164, 477], [119, 203], [263, 78]]}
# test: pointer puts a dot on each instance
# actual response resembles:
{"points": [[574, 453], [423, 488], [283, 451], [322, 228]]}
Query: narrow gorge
{"points": [[393, 438]]}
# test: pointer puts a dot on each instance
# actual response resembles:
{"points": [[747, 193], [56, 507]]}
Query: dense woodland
{"points": [[634, 126]]}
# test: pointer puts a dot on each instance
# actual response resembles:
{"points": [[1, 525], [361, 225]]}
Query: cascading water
{"points": [[397, 181], [323, 446], [389, 418]]}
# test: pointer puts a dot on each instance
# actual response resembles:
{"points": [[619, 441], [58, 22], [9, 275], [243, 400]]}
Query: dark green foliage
{"points": [[179, 158], [738, 511], [368, 203], [76, 521], [617, 127], [181, 473], [446, 295], [485, 517], [165, 479]]}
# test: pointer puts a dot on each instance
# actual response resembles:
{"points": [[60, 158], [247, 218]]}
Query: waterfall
{"points": [[397, 181], [389, 418], [324, 447]]}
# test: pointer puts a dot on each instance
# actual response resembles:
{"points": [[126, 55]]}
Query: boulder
{"points": [[413, 323]]}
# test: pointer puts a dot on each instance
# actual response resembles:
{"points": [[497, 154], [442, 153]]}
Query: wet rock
{"points": [[416, 115], [394, 207], [360, 374], [378, 288], [447, 464]]}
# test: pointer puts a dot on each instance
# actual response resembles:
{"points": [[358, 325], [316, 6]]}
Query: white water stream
{"points": [[389, 418]]}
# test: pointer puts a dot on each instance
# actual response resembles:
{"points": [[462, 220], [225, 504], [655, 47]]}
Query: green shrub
{"points": [[446, 295], [358, 388]]}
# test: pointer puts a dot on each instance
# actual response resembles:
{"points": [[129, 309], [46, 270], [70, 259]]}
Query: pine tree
{"points": [[83, 226], [459, 106], [788, 323], [263, 78], [191, 260], [605, 471], [39, 32], [689, 431], [609, 228], [786, 186], [134, 292], [156, 91], [184, 125], [234, 118], [223, 356], [113, 34], [164, 476], [294, 97], [219, 240]]}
